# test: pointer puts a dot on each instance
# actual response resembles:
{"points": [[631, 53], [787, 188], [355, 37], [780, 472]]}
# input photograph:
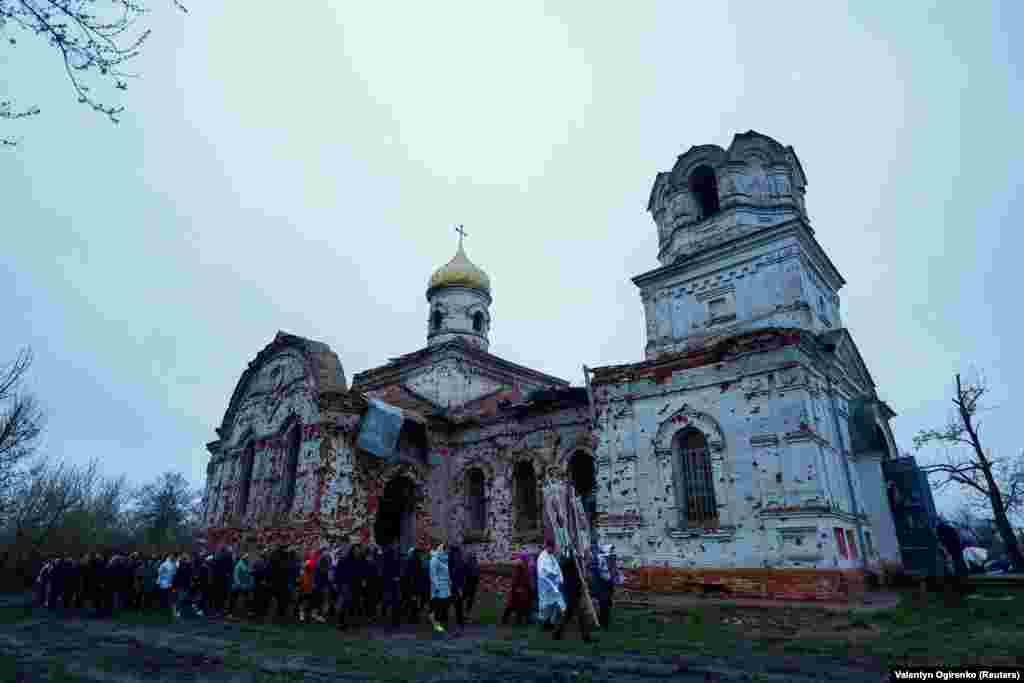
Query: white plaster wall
{"points": [[876, 505], [775, 472], [763, 287]]}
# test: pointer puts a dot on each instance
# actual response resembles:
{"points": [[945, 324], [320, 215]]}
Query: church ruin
{"points": [[743, 454]]}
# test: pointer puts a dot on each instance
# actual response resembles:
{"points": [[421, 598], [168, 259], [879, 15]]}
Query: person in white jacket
{"points": [[164, 580], [550, 599], [440, 587]]}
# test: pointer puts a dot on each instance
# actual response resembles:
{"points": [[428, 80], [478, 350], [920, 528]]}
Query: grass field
{"points": [[924, 630]]}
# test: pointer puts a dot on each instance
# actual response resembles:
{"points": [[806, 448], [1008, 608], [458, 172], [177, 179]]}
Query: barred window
{"points": [[694, 480], [476, 506]]}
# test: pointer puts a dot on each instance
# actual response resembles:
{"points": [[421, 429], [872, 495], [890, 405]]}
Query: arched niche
{"points": [[677, 433]]}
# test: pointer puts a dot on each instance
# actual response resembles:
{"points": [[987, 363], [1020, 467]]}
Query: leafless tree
{"points": [[51, 492], [166, 509], [95, 42], [21, 423], [970, 467]]}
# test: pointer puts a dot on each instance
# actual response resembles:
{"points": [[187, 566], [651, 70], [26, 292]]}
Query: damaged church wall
{"points": [[778, 477], [279, 396]]}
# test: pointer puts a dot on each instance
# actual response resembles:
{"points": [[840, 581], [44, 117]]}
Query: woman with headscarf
{"points": [[520, 597]]}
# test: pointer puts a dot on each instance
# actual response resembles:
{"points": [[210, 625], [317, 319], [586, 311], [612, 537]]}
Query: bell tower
{"points": [[736, 248]]}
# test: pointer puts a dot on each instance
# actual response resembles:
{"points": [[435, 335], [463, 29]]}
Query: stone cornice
{"points": [[757, 235]]}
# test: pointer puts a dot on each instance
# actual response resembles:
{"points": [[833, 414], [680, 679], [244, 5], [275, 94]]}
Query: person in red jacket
{"points": [[306, 594], [520, 598]]}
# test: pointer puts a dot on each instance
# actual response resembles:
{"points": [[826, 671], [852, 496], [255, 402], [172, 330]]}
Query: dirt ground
{"points": [[38, 646]]}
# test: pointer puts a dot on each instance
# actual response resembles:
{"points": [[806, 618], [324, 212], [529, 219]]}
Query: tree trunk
{"points": [[995, 497]]}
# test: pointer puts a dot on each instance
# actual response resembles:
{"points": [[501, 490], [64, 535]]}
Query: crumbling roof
{"points": [[705, 352], [325, 367]]}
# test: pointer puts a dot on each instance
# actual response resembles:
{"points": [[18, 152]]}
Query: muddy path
{"points": [[39, 646]]}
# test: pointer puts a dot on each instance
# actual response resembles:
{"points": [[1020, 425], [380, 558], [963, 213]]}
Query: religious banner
{"points": [[566, 523], [378, 432]]}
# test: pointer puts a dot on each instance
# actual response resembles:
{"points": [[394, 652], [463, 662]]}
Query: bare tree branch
{"points": [[21, 424], [95, 45], [999, 482]]}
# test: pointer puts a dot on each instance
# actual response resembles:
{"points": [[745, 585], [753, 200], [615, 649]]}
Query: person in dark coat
{"points": [[224, 567], [573, 591], [97, 589], [72, 582], [345, 576], [391, 583], [57, 576], [182, 586], [260, 570], [520, 596], [457, 576], [472, 580], [409, 585], [372, 589], [282, 579]]}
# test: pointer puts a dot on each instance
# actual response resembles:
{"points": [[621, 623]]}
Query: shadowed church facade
{"points": [[742, 454]]}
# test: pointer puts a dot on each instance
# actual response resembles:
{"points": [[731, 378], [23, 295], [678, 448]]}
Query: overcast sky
{"points": [[302, 171]]}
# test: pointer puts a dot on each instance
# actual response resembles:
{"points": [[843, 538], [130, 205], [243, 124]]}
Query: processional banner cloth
{"points": [[565, 520], [566, 523], [378, 432]]}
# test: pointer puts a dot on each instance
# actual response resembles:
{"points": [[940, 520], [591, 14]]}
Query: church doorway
{"points": [[396, 513], [584, 480]]}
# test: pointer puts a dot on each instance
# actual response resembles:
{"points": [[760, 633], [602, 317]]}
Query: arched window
{"points": [[294, 442], [584, 481], [245, 480], [476, 504], [581, 472], [436, 318], [881, 443], [525, 490], [478, 322], [704, 189], [695, 487]]}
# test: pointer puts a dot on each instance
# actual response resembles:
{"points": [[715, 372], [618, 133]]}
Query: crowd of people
{"points": [[346, 584]]}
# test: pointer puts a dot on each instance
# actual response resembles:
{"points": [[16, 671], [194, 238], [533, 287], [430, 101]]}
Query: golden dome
{"points": [[460, 272]]}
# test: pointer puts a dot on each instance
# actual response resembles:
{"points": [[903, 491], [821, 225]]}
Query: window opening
{"points": [[292, 471], [248, 457], [527, 518], [475, 503], [704, 188], [699, 507]]}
